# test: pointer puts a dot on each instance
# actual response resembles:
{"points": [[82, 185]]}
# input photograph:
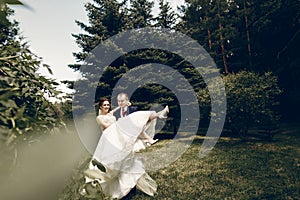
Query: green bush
{"points": [[251, 101]]}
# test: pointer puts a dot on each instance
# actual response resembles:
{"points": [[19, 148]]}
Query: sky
{"points": [[48, 27]]}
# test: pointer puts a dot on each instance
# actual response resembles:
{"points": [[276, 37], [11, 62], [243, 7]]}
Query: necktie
{"points": [[123, 112]]}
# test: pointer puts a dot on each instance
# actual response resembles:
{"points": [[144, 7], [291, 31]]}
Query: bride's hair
{"points": [[101, 103]]}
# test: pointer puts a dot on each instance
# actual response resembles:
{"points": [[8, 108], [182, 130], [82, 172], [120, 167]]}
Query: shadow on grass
{"points": [[165, 136]]}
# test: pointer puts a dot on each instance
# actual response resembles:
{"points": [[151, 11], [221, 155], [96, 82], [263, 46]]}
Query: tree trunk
{"points": [[248, 35], [221, 40], [208, 34]]}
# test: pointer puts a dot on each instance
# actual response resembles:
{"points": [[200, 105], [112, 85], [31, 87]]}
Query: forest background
{"points": [[253, 43]]}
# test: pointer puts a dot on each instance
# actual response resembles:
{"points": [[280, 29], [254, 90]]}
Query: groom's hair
{"points": [[122, 94]]}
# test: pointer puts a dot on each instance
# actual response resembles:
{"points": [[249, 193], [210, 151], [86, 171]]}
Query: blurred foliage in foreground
{"points": [[24, 94]]}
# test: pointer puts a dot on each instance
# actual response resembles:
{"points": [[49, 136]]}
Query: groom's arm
{"points": [[133, 109], [114, 110]]}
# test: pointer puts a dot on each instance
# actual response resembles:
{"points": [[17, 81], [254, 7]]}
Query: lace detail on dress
{"points": [[108, 118]]}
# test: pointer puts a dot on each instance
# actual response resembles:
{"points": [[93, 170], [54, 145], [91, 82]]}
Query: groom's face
{"points": [[122, 101]]}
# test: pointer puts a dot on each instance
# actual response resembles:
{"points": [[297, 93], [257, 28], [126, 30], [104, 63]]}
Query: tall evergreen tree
{"points": [[275, 31], [137, 14], [106, 18], [211, 23], [166, 17], [140, 14]]}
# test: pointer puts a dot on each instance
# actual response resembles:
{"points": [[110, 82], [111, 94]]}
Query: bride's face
{"points": [[105, 107]]}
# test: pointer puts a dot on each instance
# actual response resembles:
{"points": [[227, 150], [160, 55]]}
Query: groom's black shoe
{"points": [[131, 194]]}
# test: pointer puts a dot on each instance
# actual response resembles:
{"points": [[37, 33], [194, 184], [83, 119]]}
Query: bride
{"points": [[121, 169]]}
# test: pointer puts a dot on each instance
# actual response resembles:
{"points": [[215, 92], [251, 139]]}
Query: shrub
{"points": [[251, 100]]}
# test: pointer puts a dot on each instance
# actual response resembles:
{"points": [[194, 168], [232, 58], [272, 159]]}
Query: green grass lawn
{"points": [[235, 169]]}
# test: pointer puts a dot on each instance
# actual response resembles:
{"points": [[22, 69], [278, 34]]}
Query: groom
{"points": [[125, 110], [123, 104]]}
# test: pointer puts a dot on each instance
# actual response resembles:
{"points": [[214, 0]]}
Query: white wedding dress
{"points": [[116, 151]]}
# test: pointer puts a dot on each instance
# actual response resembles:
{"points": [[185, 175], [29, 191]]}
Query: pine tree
{"points": [[106, 18], [212, 24], [166, 17], [140, 14]]}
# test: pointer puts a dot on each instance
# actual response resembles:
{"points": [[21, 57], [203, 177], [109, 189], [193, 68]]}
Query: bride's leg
{"points": [[162, 114], [148, 139], [143, 135], [153, 115]]}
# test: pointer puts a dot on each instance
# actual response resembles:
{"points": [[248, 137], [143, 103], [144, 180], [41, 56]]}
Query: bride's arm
{"points": [[102, 123], [117, 108]]}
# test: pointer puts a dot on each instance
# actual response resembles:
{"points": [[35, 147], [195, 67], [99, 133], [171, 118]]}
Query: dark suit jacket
{"points": [[130, 109]]}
